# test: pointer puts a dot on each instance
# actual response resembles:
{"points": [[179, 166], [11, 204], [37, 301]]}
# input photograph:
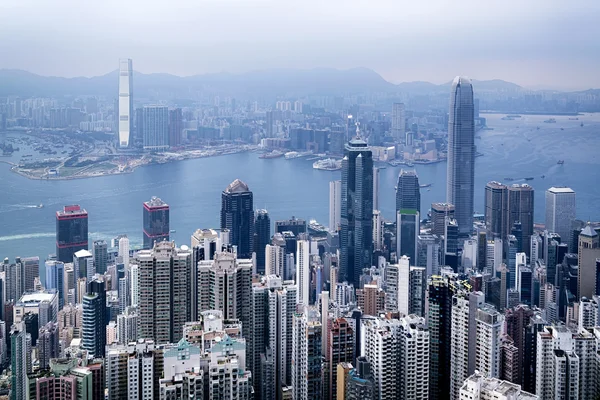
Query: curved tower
{"points": [[461, 153]]}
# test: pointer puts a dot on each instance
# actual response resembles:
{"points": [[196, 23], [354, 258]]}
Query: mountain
{"points": [[264, 83]]}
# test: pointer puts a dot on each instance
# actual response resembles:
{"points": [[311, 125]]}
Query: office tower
{"points": [[359, 382], [20, 343], [306, 355], [55, 272], [175, 127], [479, 387], [408, 229], [44, 304], [164, 291], [156, 128], [71, 232], [377, 231], [94, 319], [335, 205], [375, 188], [517, 232], [565, 364], [493, 256], [294, 225], [408, 192], [398, 122], [13, 279], [463, 358], [124, 251], [31, 321], [270, 121], [127, 326], [520, 209], [340, 349], [469, 255], [139, 125], [156, 222], [100, 251], [428, 253], [237, 215], [125, 102], [489, 324], [588, 253], [303, 271], [262, 237], [31, 270], [525, 286], [496, 209], [513, 258], [225, 283], [417, 288], [461, 153], [356, 239], [451, 236], [560, 211], [47, 344], [414, 358], [439, 213], [83, 268]]}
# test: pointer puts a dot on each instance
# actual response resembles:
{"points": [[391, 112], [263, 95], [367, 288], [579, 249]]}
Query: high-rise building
{"points": [[414, 358], [377, 230], [237, 215], [47, 344], [20, 354], [55, 273], [408, 229], [100, 252], [164, 291], [496, 209], [398, 122], [489, 327], [560, 211], [125, 102], [408, 192], [307, 378], [94, 319], [588, 253], [380, 345], [375, 188], [175, 127], [335, 205], [359, 382], [439, 213], [461, 153], [303, 271], [294, 225], [262, 237], [156, 222], [520, 209], [127, 326], [356, 239], [156, 128], [71, 232], [340, 349]]}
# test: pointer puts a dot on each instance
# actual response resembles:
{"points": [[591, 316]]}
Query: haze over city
{"points": [[537, 44]]}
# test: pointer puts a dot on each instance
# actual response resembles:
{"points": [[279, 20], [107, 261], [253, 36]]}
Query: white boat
{"points": [[292, 154], [328, 164]]}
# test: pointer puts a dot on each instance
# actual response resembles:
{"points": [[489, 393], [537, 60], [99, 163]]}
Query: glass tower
{"points": [[156, 222], [71, 232], [237, 215]]}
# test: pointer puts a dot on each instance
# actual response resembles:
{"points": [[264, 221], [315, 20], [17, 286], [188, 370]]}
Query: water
{"points": [[291, 187]]}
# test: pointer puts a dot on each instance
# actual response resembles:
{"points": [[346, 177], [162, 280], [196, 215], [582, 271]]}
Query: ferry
{"points": [[291, 154], [40, 205], [560, 162], [530, 178], [425, 185], [328, 164], [550, 121], [273, 154]]}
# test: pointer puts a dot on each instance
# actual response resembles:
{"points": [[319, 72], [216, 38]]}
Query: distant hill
{"points": [[265, 83]]}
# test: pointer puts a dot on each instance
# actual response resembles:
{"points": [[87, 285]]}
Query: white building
{"points": [[404, 285], [398, 122], [490, 325], [493, 256], [306, 354], [414, 358], [274, 260], [335, 205], [127, 326], [469, 254], [134, 278], [44, 304], [481, 387], [377, 230], [130, 370], [125, 102], [560, 211], [124, 251], [303, 271], [588, 313]]}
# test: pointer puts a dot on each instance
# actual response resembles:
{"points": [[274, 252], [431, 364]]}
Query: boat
{"points": [[560, 162], [529, 178], [273, 154], [316, 228], [409, 164], [550, 121], [292, 154], [328, 164], [40, 205], [425, 185], [574, 119], [509, 179], [172, 231]]}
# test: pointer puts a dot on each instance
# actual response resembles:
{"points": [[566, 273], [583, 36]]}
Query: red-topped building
{"points": [[156, 222], [71, 232]]}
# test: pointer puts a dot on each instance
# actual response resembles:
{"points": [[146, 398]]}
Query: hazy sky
{"points": [[536, 43]]}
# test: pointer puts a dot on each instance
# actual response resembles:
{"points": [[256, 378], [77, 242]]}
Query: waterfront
{"points": [[193, 187]]}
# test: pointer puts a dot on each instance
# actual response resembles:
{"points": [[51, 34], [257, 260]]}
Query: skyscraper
{"points": [[398, 122], [156, 222], [407, 226], [20, 343], [587, 253], [520, 209], [496, 209], [303, 271], [375, 188], [262, 237], [307, 377], [439, 213], [356, 239], [55, 272], [175, 127], [125, 102], [237, 215], [71, 232], [335, 205], [100, 251], [156, 128], [560, 211], [461, 153], [408, 193], [94, 319]]}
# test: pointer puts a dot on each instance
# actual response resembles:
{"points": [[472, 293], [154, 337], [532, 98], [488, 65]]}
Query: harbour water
{"points": [[514, 148]]}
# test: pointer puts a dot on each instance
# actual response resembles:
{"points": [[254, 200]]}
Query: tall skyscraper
{"points": [[94, 319], [375, 188], [156, 128], [588, 253], [335, 205], [55, 273], [20, 354], [71, 232], [340, 348], [164, 291], [461, 153], [175, 127], [408, 193], [100, 252], [560, 211], [303, 271], [125, 102], [156, 222], [237, 215], [439, 213], [262, 237], [520, 209], [496, 209], [398, 122], [356, 239], [408, 227], [307, 379]]}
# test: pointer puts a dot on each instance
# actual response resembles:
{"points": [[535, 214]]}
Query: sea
{"points": [[519, 148]]}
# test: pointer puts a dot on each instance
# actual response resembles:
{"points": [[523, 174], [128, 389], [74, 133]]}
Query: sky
{"points": [[535, 43]]}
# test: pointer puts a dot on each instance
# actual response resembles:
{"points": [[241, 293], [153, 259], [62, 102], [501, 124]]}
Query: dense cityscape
{"points": [[436, 301]]}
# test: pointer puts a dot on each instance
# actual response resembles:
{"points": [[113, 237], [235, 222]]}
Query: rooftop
{"points": [[561, 190], [33, 299], [82, 254], [588, 231], [237, 186]]}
